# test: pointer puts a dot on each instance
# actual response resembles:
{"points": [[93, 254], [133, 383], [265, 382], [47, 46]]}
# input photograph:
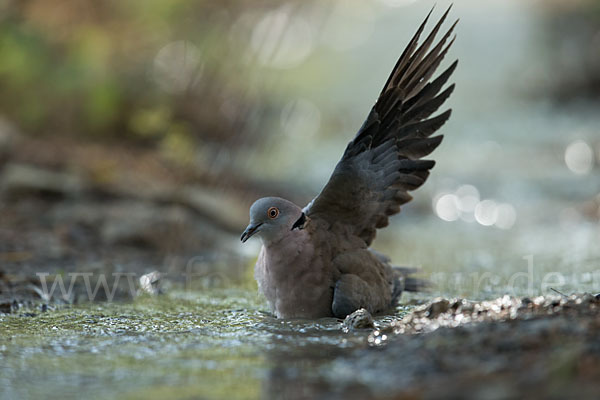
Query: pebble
{"points": [[359, 319], [456, 312], [151, 283]]}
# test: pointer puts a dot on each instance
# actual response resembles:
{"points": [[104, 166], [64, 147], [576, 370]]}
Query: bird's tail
{"points": [[405, 281]]}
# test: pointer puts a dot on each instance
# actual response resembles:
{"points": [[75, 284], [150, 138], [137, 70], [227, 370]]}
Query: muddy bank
{"points": [[69, 208], [546, 347]]}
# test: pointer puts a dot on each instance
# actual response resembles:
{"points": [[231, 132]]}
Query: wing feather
{"points": [[383, 161]]}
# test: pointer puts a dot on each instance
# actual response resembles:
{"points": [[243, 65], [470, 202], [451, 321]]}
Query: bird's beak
{"points": [[250, 230]]}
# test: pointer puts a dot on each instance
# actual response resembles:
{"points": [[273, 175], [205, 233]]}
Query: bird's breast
{"points": [[294, 278]]}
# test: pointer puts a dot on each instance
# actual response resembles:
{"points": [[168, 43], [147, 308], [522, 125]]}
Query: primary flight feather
{"points": [[316, 262]]}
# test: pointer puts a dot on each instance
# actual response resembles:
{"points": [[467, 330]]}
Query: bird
{"points": [[316, 261]]}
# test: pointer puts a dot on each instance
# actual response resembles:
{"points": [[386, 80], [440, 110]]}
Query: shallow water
{"points": [[216, 344]]}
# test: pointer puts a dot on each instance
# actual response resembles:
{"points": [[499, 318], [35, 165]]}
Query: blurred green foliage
{"points": [[87, 67]]}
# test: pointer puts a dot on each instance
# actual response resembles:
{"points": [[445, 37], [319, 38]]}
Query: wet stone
{"points": [[5, 307], [151, 283], [359, 319], [454, 313], [17, 180], [438, 307], [589, 298]]}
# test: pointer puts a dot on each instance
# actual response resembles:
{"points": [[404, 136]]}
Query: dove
{"points": [[316, 261]]}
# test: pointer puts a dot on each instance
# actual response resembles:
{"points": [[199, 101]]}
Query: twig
{"points": [[562, 294]]}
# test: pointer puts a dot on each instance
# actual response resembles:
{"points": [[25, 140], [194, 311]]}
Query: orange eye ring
{"points": [[273, 212]]}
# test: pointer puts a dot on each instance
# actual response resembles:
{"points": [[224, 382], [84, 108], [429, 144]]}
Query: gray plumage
{"points": [[316, 262]]}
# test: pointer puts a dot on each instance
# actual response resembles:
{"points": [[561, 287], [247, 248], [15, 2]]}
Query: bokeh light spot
{"points": [[282, 41], [579, 157], [177, 66], [446, 207], [506, 216], [486, 212], [468, 198]]}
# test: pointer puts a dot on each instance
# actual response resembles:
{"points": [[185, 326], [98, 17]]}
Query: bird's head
{"points": [[271, 218]]}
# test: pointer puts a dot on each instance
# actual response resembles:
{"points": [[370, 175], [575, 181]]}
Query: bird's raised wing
{"points": [[383, 162]]}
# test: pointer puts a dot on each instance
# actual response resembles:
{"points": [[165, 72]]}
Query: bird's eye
{"points": [[273, 212]]}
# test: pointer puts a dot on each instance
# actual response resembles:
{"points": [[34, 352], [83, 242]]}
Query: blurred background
{"points": [[134, 135]]}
